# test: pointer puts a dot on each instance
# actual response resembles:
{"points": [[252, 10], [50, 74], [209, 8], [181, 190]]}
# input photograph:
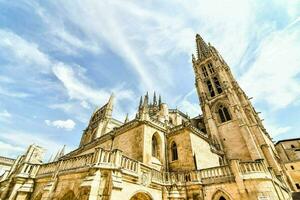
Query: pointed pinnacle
{"points": [[154, 99], [159, 100], [126, 118]]}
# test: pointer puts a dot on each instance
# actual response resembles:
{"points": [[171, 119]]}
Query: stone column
{"points": [[234, 165]]}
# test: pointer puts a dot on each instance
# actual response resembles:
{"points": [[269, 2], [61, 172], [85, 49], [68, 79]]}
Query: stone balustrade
{"points": [[114, 159], [77, 162], [129, 164], [48, 168], [215, 174], [251, 167]]}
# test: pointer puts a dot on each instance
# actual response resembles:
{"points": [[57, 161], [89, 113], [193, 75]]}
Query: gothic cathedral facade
{"points": [[163, 154]]}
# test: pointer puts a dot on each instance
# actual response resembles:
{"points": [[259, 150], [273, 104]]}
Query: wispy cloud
{"points": [[273, 77], [20, 140], [63, 124]]}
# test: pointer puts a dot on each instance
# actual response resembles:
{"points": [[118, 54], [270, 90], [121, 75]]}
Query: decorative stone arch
{"points": [[156, 145], [173, 149], [217, 105], [141, 195], [221, 194], [70, 195]]}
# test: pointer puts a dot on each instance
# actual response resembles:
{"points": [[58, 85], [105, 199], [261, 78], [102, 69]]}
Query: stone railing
{"points": [[48, 168], [105, 158], [129, 164], [215, 174], [77, 162], [251, 167], [6, 161], [157, 176]]}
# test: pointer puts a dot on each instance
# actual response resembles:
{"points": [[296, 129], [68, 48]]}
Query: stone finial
{"points": [[111, 100], [141, 102], [126, 119], [202, 48], [154, 99], [146, 99], [59, 153], [159, 100]]}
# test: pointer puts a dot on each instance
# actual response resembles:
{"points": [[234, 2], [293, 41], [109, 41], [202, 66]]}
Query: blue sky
{"points": [[59, 60]]}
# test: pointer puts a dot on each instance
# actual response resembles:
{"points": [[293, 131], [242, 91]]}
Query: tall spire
{"points": [[111, 100], [159, 100], [154, 99], [126, 119], [60, 153], [146, 98], [202, 48], [141, 102]]}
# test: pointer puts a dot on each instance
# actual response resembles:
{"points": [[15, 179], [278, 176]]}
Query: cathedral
{"points": [[163, 154]]}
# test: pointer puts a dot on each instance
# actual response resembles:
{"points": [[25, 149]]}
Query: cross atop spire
{"points": [[202, 48]]}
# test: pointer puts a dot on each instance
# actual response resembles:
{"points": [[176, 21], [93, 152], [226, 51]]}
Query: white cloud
{"points": [[5, 114], [63, 124], [275, 130], [85, 104], [273, 76], [9, 149], [14, 142], [77, 88], [193, 109], [21, 50]]}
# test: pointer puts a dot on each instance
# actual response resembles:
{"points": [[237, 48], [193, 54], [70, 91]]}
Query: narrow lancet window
{"points": [[211, 68], [210, 88], [218, 85], [154, 147], [204, 71], [224, 114], [174, 151]]}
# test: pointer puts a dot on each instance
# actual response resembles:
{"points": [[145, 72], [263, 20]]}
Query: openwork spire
{"points": [[202, 48]]}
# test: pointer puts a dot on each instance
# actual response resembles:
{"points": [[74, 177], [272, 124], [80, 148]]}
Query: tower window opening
{"points": [[218, 85], [204, 71], [155, 150], [298, 186], [174, 151], [292, 146], [211, 68], [224, 114], [292, 167], [210, 88]]}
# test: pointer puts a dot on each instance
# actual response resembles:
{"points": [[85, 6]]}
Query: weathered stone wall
{"points": [[234, 143], [184, 149], [201, 150]]}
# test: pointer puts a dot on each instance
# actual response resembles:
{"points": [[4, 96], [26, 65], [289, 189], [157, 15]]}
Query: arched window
{"points": [[222, 198], [174, 151], [223, 114], [154, 147], [211, 68], [210, 88], [217, 84], [204, 71]]}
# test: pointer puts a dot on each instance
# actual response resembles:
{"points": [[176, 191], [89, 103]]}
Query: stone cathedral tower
{"points": [[230, 119]]}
